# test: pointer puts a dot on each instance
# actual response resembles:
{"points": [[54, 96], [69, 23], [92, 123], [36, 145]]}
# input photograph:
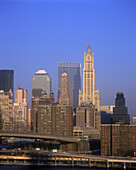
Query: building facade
{"points": [[118, 140], [7, 80], [88, 121], [6, 108], [89, 93], [106, 114], [73, 71], [64, 96], [120, 111], [88, 116], [20, 110], [52, 118], [41, 83]]}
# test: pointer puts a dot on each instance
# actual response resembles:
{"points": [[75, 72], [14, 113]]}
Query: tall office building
{"points": [[73, 71], [89, 93], [120, 111], [20, 109], [64, 96], [7, 80], [41, 83]]}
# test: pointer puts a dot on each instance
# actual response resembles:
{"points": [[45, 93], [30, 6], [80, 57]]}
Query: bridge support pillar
{"points": [[72, 161], [107, 165], [90, 163], [124, 165], [55, 161]]}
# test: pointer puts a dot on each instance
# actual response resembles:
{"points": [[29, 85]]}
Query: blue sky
{"points": [[38, 34]]}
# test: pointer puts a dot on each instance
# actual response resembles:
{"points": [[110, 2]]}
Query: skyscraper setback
{"points": [[73, 70]]}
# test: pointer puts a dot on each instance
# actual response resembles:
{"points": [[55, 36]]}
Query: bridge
{"points": [[65, 139], [43, 158]]}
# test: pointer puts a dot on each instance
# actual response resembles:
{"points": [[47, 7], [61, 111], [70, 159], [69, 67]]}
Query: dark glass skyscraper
{"points": [[73, 70], [7, 80]]}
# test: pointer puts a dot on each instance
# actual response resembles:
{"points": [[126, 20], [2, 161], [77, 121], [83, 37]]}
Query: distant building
{"points": [[107, 108], [64, 96], [88, 116], [6, 106], [89, 93], [120, 111], [73, 71], [134, 120], [106, 114], [118, 140], [7, 80], [88, 121], [40, 114], [20, 110], [41, 83], [49, 117]]}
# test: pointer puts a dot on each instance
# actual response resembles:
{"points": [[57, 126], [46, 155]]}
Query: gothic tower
{"points": [[89, 93]]}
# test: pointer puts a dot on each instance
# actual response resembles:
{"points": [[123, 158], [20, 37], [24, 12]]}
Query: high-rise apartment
{"points": [[89, 93], [73, 71], [41, 83], [7, 80], [120, 111], [118, 140]]}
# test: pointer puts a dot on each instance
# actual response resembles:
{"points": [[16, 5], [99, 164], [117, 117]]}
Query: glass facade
{"points": [[73, 71], [7, 80]]}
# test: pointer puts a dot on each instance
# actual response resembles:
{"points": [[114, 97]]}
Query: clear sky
{"points": [[37, 34]]}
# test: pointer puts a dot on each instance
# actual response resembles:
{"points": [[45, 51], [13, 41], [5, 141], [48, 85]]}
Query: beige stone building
{"points": [[6, 106], [20, 110], [89, 93], [64, 96]]}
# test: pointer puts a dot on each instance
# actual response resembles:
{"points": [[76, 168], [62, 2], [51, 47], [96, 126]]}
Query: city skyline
{"points": [[39, 35]]}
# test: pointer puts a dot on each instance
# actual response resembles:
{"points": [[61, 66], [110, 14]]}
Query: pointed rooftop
{"points": [[41, 71], [88, 49], [64, 74]]}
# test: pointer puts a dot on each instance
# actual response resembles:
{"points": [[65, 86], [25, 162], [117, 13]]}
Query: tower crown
{"points": [[88, 49]]}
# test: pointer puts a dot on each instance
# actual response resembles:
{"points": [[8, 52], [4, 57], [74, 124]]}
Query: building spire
{"points": [[88, 49]]}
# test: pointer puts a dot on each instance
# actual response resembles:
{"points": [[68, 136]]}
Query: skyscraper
{"points": [[7, 80], [49, 117], [20, 109], [41, 83], [73, 71], [64, 97], [6, 107], [120, 111], [89, 93]]}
